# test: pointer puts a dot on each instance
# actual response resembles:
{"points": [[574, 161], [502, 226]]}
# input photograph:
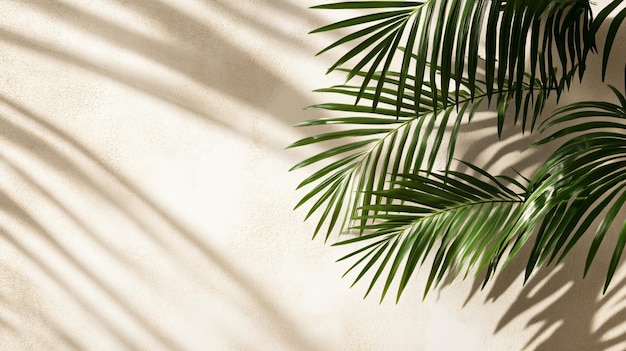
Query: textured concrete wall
{"points": [[145, 202]]}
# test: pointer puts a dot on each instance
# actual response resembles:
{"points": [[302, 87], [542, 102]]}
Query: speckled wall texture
{"points": [[146, 203]]}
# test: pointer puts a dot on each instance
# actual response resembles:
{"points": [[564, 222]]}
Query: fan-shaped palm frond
{"points": [[583, 178], [377, 146], [465, 215], [448, 34]]}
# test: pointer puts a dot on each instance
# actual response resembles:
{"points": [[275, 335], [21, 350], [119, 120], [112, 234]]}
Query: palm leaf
{"points": [[447, 34], [377, 146], [417, 65], [463, 215]]}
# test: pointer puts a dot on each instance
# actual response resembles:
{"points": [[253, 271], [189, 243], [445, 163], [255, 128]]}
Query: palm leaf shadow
{"points": [[186, 62], [198, 53], [49, 153]]}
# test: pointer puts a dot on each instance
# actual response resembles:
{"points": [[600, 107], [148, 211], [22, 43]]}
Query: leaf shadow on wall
{"points": [[196, 51], [142, 212], [202, 56], [19, 302], [184, 60], [572, 304]]}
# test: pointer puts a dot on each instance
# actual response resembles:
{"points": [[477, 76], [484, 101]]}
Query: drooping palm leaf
{"points": [[583, 178], [448, 34], [374, 147], [377, 146], [466, 216]]}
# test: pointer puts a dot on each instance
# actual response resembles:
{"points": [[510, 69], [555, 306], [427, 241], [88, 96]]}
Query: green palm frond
{"points": [[378, 145], [465, 216], [448, 34], [614, 26], [583, 178], [415, 70], [475, 220]]}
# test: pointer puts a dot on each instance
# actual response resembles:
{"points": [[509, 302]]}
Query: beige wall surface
{"points": [[146, 203]]}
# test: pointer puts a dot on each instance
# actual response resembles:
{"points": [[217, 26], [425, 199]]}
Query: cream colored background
{"points": [[145, 202]]}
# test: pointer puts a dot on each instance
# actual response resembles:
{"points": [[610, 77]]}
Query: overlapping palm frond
{"points": [[380, 144], [465, 216], [583, 178], [415, 70], [476, 221], [449, 34]]}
